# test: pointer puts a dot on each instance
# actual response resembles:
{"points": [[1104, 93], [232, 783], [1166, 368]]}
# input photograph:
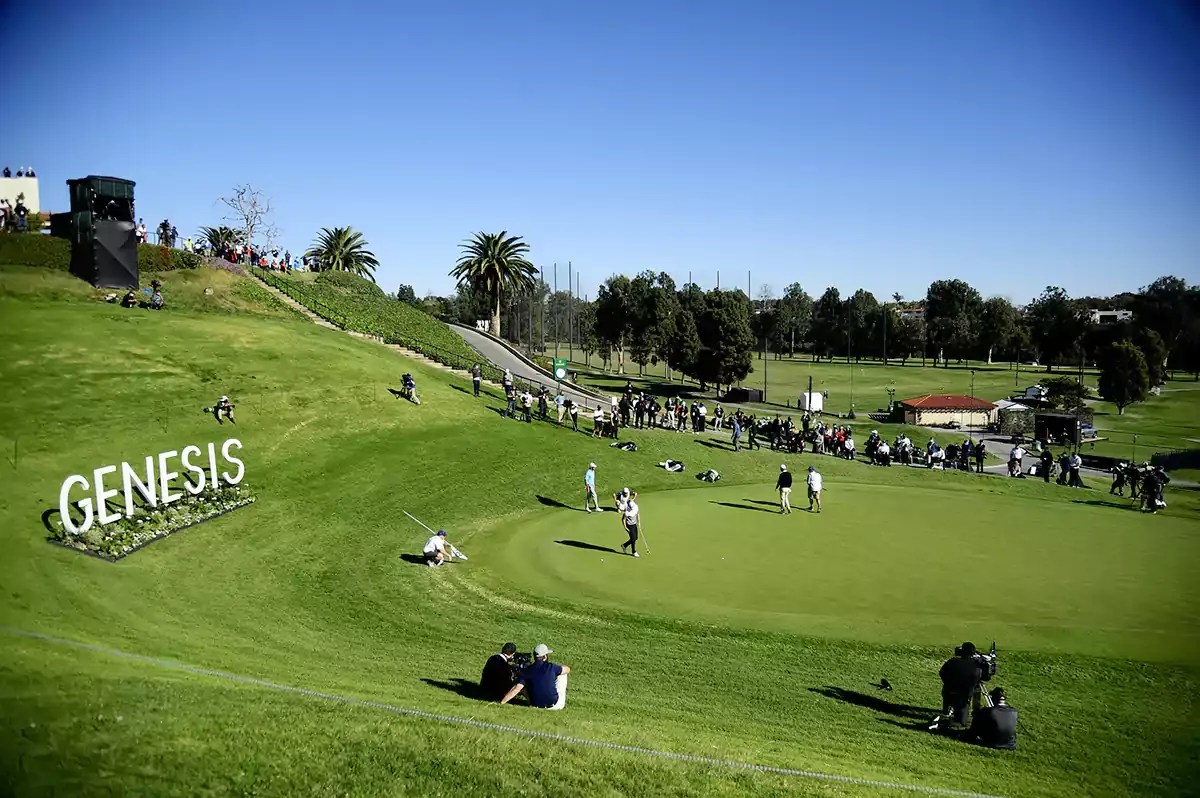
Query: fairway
{"points": [[882, 562]]}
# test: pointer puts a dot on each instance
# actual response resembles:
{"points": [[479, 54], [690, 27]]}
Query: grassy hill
{"points": [[310, 587]]}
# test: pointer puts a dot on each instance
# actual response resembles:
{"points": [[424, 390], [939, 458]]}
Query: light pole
{"points": [[972, 383]]}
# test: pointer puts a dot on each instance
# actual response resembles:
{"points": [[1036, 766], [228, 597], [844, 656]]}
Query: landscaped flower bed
{"points": [[148, 524]]}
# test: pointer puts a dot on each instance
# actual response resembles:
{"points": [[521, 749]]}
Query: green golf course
{"points": [[767, 657]]}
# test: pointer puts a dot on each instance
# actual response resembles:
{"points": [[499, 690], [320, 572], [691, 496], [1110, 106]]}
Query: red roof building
{"points": [[940, 409]]}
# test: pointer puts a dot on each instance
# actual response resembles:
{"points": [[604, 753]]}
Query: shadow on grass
{"points": [[1119, 505], [875, 703], [548, 502], [715, 445], [415, 559], [462, 687], [579, 544], [774, 504], [738, 506]]}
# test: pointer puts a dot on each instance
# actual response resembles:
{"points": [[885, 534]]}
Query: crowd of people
{"points": [[22, 171], [16, 217]]}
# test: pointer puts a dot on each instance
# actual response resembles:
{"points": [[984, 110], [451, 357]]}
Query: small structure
{"points": [[1013, 418], [935, 410], [812, 402]]}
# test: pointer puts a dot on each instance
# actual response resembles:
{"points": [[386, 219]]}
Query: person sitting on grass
{"points": [[543, 681], [498, 678], [223, 407], [994, 726], [129, 300]]}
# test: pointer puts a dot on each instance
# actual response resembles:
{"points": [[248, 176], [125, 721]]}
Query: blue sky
{"points": [[872, 144]]}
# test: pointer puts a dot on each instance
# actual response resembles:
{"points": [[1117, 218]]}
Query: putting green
{"points": [[882, 563]]}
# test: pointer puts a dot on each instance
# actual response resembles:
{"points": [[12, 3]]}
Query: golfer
{"points": [[436, 549], [815, 483], [589, 487], [784, 486], [629, 517]]}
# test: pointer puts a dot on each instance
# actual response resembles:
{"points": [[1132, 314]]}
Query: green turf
{"points": [[308, 587]]}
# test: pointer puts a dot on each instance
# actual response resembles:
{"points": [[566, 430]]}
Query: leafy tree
{"points": [[343, 249], [952, 310], [1123, 376], [1168, 306], [613, 312], [861, 336], [221, 238], [665, 312], [1064, 393], [642, 322], [1155, 352], [492, 263], [1056, 325], [406, 294], [828, 324], [794, 313], [904, 338], [725, 338], [998, 323], [684, 351]]}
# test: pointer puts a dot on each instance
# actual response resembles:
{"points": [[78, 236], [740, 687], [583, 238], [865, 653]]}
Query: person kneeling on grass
{"points": [[437, 549], [223, 407], [544, 681]]}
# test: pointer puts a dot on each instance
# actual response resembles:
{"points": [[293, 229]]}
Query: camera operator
{"points": [[498, 673], [961, 676], [994, 726], [546, 681]]}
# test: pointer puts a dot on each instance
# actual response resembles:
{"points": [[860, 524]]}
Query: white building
{"points": [[1109, 316], [13, 187]]}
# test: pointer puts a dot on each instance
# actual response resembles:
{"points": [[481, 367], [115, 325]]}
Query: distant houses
{"points": [[937, 410]]}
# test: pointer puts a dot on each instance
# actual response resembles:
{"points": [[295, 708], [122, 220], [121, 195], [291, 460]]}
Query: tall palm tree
{"points": [[494, 263], [343, 249], [220, 238]]}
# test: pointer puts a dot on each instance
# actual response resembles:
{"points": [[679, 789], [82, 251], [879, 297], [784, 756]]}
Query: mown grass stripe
{"points": [[532, 733]]}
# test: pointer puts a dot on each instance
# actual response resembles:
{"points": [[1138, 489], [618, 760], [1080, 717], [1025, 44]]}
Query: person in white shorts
{"points": [[815, 483]]}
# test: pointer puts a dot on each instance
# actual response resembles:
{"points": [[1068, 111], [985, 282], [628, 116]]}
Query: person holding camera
{"points": [[995, 726], [543, 681], [498, 673], [961, 676]]}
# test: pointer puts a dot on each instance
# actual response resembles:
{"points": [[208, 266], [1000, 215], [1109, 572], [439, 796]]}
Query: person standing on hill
{"points": [[815, 484], [784, 486], [737, 434], [573, 410], [1046, 465], [560, 404], [589, 488], [476, 377]]}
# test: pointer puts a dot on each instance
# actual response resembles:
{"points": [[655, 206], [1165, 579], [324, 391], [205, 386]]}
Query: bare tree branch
{"points": [[250, 209]]}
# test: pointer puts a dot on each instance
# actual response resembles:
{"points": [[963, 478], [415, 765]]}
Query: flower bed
{"points": [[119, 539]]}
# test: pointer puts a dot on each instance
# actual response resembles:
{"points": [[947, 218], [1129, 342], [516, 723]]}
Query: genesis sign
{"points": [[154, 480]]}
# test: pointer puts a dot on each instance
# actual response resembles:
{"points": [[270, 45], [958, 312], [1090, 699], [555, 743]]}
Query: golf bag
{"points": [[672, 465], [710, 475], [625, 446]]}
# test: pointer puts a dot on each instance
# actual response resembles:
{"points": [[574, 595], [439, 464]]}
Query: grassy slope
{"points": [[307, 587]]}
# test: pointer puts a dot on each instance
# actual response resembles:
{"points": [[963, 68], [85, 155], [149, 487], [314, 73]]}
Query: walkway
{"points": [[501, 356]]}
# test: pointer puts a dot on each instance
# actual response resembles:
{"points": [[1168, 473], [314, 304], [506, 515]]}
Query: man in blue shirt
{"points": [[589, 487], [544, 681]]}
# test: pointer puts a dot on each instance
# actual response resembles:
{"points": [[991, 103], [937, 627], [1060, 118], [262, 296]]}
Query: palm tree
{"points": [[494, 263], [221, 238], [343, 249]]}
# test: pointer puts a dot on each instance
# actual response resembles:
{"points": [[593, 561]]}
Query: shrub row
{"points": [[50, 252], [359, 305]]}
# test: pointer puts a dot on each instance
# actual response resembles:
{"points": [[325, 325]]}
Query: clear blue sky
{"points": [[871, 144]]}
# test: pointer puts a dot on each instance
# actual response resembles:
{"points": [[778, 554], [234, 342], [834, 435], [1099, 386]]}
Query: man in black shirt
{"points": [[1046, 465], [961, 676], [995, 726], [784, 486], [497, 678]]}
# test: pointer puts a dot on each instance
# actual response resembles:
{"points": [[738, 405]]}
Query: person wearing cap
{"points": [[784, 486], [543, 681], [961, 676], [223, 407], [815, 483], [995, 726], [436, 549], [498, 677], [629, 519], [589, 487]]}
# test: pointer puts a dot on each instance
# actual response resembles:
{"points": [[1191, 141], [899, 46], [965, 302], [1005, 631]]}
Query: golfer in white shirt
{"points": [[436, 549], [815, 483], [629, 518]]}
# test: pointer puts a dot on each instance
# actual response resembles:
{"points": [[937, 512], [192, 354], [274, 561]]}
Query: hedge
{"points": [[50, 252]]}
